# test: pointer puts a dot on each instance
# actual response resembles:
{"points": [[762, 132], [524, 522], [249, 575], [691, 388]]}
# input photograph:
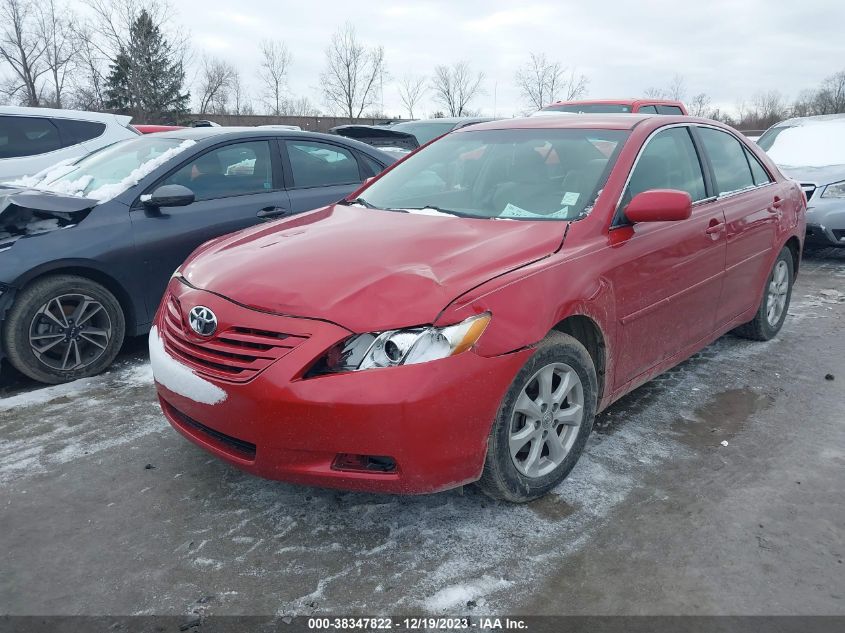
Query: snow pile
{"points": [[50, 179], [49, 174], [458, 595], [819, 145], [178, 378]]}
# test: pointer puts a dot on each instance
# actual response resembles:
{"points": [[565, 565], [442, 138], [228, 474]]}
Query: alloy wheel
{"points": [[546, 419], [70, 331], [778, 291]]}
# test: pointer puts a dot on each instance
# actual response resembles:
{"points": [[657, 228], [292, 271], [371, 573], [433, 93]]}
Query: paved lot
{"points": [[106, 510]]}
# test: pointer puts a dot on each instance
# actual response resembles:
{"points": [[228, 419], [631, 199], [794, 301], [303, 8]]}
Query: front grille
{"points": [[240, 448], [809, 189], [235, 353]]}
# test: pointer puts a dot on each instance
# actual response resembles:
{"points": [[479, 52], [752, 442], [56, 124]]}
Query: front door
{"points": [[668, 287], [236, 185]]}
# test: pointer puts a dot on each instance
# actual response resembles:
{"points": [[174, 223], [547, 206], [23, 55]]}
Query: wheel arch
{"points": [[794, 246], [81, 269], [587, 332]]}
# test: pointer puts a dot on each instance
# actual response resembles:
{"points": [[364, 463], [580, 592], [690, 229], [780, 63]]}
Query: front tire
{"points": [[63, 328], [775, 303], [543, 423]]}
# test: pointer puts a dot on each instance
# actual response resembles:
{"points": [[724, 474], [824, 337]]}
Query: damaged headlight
{"points": [[836, 190], [401, 347]]}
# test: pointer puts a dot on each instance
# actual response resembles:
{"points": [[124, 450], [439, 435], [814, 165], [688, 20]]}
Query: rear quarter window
{"points": [[74, 132], [669, 109]]}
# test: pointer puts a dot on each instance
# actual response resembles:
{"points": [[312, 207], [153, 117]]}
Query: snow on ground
{"points": [[38, 434]]}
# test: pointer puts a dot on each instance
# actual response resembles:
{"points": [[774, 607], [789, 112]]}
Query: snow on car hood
{"points": [[817, 145], [365, 269], [819, 176]]}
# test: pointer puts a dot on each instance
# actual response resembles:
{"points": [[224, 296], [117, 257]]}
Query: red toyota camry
{"points": [[465, 315]]}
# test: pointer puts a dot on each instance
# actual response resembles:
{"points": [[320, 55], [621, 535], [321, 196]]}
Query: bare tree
{"points": [[455, 86], [676, 90], [217, 78], [411, 90], [22, 49], [301, 106], [61, 46], [699, 105], [353, 71], [831, 96], [273, 73], [241, 102], [542, 81], [88, 80]]}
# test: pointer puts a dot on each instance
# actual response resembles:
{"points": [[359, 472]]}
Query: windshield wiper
{"points": [[439, 210], [360, 201]]}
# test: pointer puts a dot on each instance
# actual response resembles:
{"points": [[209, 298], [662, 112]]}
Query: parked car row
{"points": [[459, 316]]}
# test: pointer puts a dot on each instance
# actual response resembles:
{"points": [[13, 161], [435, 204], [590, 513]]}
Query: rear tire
{"points": [[63, 328], [775, 303], [534, 442]]}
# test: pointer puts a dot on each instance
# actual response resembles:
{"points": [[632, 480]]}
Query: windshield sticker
{"points": [[513, 211], [570, 198]]}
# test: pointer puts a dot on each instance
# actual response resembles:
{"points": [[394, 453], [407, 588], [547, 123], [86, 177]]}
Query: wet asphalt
{"points": [[106, 510]]}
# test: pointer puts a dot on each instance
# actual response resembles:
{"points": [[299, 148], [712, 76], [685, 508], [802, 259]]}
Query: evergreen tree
{"points": [[146, 78]]}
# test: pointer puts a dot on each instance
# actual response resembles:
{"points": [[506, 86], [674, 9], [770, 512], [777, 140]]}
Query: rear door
{"points": [[669, 284], [749, 198], [320, 173], [236, 185]]}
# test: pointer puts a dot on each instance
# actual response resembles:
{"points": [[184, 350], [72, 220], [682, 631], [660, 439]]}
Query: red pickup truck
{"points": [[615, 106]]}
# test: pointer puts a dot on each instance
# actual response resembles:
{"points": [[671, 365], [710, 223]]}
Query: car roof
{"points": [[630, 102], [101, 117], [211, 134], [582, 121]]}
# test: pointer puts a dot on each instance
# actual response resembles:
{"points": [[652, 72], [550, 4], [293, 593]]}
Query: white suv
{"points": [[32, 139]]}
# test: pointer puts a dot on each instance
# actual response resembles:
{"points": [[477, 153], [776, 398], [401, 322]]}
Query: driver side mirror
{"points": [[169, 196], [659, 205]]}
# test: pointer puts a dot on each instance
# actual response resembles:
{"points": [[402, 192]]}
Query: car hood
{"points": [[27, 212], [365, 269], [819, 176]]}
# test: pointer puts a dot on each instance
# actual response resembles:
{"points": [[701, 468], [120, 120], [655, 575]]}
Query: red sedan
{"points": [[465, 315]]}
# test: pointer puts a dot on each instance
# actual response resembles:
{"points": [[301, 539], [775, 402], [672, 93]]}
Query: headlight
{"points": [[401, 347], [836, 190]]}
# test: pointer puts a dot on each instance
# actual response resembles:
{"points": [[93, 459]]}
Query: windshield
{"points": [[810, 145], [424, 132], [589, 108], [113, 169], [519, 174]]}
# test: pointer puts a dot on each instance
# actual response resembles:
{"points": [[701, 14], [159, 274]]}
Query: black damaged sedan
{"points": [[86, 250]]}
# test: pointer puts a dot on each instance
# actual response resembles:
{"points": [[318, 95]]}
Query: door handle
{"points": [[715, 227], [272, 212], [777, 203]]}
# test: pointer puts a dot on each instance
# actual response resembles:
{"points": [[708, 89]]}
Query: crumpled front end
{"points": [[27, 212], [243, 395]]}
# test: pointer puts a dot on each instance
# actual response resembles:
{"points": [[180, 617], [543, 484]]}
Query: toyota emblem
{"points": [[202, 321]]}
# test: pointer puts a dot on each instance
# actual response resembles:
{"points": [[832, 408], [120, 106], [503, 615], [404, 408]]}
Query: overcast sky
{"points": [[728, 49]]}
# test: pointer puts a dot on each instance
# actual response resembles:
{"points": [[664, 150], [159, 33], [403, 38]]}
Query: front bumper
{"points": [[826, 222], [433, 419]]}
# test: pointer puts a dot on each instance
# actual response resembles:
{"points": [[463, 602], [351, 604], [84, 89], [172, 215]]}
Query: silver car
{"points": [[811, 150]]}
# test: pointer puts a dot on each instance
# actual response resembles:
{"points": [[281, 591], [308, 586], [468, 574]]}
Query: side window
{"points": [[647, 109], [231, 170], [758, 172], [27, 136], [373, 167], [73, 132], [727, 156], [668, 109], [669, 161], [316, 164]]}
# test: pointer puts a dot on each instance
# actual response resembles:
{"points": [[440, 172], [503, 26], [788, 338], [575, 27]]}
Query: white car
{"points": [[33, 139]]}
